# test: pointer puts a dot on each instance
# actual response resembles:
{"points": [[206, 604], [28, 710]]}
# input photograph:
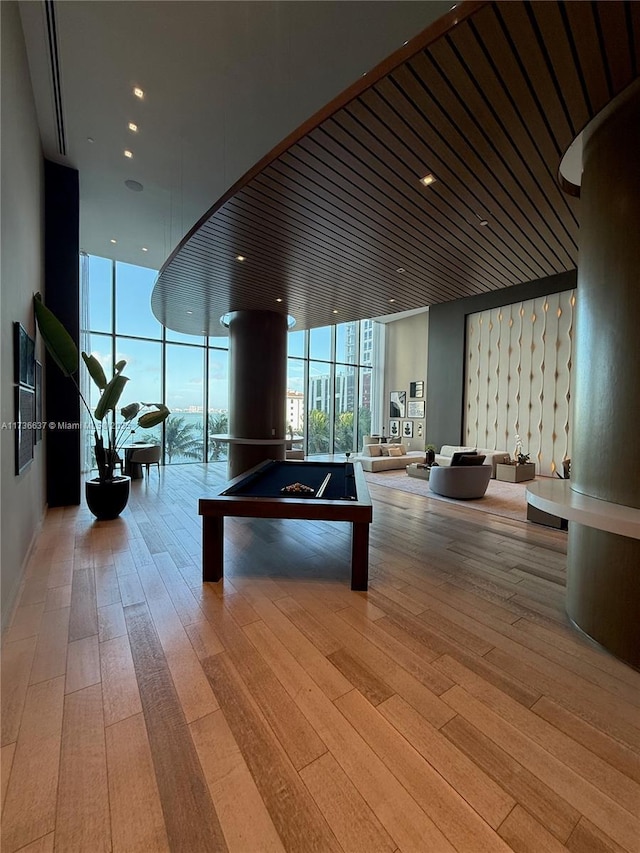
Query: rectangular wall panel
{"points": [[518, 376]]}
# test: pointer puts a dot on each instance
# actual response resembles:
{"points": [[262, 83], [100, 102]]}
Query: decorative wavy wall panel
{"points": [[518, 378]]}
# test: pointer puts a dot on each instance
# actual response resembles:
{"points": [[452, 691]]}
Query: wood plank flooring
{"points": [[450, 708]]}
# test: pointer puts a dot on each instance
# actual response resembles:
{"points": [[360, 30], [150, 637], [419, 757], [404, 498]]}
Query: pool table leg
{"points": [[360, 556], [212, 547]]}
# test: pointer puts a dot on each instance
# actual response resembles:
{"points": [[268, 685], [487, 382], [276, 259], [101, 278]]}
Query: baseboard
{"points": [[11, 600]]}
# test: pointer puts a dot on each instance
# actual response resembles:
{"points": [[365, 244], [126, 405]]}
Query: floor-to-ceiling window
{"points": [[330, 371]]}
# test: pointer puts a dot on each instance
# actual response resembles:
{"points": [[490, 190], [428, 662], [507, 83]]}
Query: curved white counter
{"points": [[557, 498]]}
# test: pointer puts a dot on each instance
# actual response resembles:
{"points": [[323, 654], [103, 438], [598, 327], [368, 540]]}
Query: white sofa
{"points": [[376, 457], [493, 457]]}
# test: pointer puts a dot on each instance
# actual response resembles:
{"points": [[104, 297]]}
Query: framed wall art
{"points": [[415, 409], [416, 389], [398, 404], [394, 429], [25, 411], [38, 403], [407, 429], [24, 358]]}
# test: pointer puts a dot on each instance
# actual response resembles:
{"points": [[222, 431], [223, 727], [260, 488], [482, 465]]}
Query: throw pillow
{"points": [[394, 450], [374, 450], [403, 449], [384, 449]]}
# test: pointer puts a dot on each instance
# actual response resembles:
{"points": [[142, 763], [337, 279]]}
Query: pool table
{"points": [[257, 494]]}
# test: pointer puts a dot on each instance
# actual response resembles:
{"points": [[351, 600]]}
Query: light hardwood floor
{"points": [[450, 708]]}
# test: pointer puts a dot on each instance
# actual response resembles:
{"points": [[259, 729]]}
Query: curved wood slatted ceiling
{"points": [[488, 100]]}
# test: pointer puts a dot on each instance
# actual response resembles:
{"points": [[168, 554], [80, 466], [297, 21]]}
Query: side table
{"points": [[515, 473]]}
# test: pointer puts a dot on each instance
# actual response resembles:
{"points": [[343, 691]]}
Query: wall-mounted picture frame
{"points": [[25, 410], [416, 389], [39, 403], [24, 356], [419, 429], [407, 429], [394, 429], [397, 404], [415, 409]]}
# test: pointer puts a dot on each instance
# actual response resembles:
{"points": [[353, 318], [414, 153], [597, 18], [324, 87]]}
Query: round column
{"points": [[603, 583], [257, 388]]}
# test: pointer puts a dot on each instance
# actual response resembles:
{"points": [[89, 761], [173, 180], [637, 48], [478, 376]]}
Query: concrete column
{"points": [[257, 388], [603, 585]]}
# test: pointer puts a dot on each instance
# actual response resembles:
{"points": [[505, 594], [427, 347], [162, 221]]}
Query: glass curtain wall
{"points": [[332, 372]]}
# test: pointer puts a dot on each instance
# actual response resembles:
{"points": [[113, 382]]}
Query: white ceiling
{"points": [[224, 83]]}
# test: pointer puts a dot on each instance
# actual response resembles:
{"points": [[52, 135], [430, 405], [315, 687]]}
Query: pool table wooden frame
{"points": [[214, 509]]}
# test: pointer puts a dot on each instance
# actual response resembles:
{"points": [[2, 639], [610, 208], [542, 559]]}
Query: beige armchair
{"points": [[146, 456]]}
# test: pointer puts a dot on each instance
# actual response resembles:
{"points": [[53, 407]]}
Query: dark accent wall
{"points": [[62, 296], [447, 346]]}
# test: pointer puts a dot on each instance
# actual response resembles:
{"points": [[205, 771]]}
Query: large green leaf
{"points": [[110, 396], [129, 412], [95, 370], [59, 343], [151, 419]]}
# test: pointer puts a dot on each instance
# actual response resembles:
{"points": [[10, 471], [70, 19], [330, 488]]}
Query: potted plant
{"points": [[106, 494], [430, 453]]}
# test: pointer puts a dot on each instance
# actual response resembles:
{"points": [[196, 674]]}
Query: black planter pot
{"points": [[107, 500], [430, 457]]}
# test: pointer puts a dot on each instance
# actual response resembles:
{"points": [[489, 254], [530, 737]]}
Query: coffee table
{"points": [[420, 471]]}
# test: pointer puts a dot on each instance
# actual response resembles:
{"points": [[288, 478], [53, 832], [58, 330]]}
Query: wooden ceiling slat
{"points": [[428, 275], [326, 267], [493, 113], [399, 250], [386, 126], [489, 30], [347, 256], [344, 163], [634, 15], [585, 37], [429, 205], [489, 105], [471, 158], [521, 34], [552, 29], [615, 37], [389, 217]]}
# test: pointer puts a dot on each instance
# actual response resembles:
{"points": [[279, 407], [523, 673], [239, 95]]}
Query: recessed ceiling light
{"points": [[128, 153], [278, 299], [428, 180], [392, 300], [335, 310], [90, 139], [113, 241], [132, 127], [134, 186], [400, 269], [240, 258], [144, 249], [138, 92], [189, 312]]}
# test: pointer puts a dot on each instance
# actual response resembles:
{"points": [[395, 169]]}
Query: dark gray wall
{"points": [[447, 346], [62, 296]]}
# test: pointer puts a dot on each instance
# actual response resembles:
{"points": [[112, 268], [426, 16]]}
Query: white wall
{"points": [[405, 362], [22, 498]]}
